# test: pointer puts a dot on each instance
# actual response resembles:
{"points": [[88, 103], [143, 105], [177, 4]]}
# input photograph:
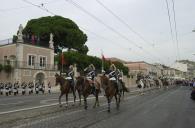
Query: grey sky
{"points": [[147, 17]]}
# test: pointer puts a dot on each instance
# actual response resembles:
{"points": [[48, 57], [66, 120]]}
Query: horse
{"points": [[165, 82], [141, 85], [65, 86], [84, 87], [111, 89]]}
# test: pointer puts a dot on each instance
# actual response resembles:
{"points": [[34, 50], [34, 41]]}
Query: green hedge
{"points": [[7, 68], [83, 61], [1, 67]]}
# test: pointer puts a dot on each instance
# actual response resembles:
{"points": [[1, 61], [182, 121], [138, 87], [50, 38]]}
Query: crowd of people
{"points": [[16, 88]]}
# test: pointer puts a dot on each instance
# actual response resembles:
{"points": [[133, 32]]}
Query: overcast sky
{"points": [[147, 17]]}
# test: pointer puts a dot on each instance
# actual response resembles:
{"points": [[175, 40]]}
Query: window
{"points": [[31, 60], [5, 60], [42, 61]]}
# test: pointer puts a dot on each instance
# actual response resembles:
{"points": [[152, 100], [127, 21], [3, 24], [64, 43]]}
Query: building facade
{"points": [[144, 68], [28, 62]]}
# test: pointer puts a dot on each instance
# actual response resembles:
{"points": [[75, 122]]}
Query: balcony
{"points": [[24, 65]]}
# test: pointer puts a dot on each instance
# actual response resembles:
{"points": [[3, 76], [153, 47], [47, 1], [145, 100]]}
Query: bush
{"points": [[1, 67], [7, 68]]}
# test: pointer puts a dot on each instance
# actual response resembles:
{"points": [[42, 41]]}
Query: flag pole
{"points": [[102, 61], [62, 59]]}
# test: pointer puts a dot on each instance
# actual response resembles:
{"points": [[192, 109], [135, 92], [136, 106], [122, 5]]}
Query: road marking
{"points": [[45, 101], [19, 102], [47, 119], [49, 105], [42, 106]]}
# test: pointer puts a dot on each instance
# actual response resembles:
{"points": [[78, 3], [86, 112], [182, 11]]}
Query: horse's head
{"points": [[58, 79]]}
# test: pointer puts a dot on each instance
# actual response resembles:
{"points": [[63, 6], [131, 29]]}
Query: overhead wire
{"points": [[170, 24], [175, 26], [97, 19], [124, 23], [109, 27], [42, 7]]}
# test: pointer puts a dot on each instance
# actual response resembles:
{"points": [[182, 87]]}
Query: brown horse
{"points": [[111, 89], [84, 87], [65, 86]]}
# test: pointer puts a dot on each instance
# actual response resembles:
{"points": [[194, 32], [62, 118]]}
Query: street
{"points": [[158, 108]]}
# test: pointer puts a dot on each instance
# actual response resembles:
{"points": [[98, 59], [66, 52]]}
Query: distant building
{"points": [[187, 68], [144, 68]]}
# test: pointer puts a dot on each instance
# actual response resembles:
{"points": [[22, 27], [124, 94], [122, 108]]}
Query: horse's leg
{"points": [[98, 104], [60, 99], [85, 102], [79, 92], [108, 99], [119, 100], [73, 91], [96, 99], [116, 100], [66, 99]]}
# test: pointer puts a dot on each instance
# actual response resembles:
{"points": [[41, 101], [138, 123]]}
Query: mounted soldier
{"points": [[70, 75], [113, 75], [90, 70], [120, 78]]}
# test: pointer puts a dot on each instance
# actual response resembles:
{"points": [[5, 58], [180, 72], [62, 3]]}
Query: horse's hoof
{"points": [[60, 106], [73, 104], [108, 110], [85, 107]]}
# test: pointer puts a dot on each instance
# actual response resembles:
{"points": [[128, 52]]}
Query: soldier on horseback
{"points": [[91, 75], [113, 75], [70, 75]]}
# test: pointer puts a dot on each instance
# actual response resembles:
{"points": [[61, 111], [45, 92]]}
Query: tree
{"points": [[83, 61], [66, 33]]}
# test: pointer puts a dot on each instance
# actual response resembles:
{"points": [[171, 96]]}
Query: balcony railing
{"points": [[23, 64]]}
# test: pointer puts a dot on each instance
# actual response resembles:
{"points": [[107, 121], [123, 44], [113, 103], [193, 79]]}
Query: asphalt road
{"points": [[156, 109], [13, 103]]}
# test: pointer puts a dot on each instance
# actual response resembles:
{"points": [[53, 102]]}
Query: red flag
{"points": [[103, 58], [62, 59]]}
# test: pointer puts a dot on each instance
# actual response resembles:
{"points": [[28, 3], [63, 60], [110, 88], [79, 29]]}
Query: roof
{"points": [[25, 44], [116, 59]]}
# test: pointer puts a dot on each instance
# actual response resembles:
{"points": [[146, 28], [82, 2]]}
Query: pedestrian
{"points": [[49, 87]]}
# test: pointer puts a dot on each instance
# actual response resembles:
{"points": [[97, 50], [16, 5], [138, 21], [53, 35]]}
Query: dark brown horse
{"points": [[65, 86], [84, 87], [111, 89]]}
